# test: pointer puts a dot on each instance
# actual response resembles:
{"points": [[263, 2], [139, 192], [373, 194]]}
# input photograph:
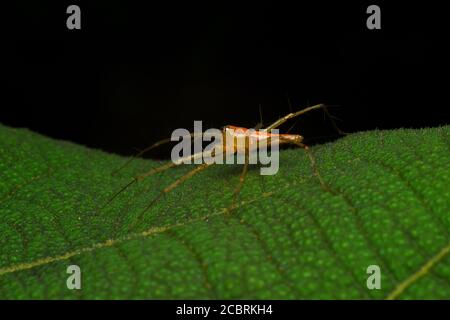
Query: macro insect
{"points": [[251, 143]]}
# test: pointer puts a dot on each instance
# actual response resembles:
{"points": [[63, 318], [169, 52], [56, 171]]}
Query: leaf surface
{"points": [[388, 205]]}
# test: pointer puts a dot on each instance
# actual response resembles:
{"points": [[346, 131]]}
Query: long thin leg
{"points": [[138, 178], [279, 122], [260, 124], [172, 164], [315, 171], [155, 145], [173, 186], [115, 195], [151, 172], [140, 153], [334, 122], [238, 188]]}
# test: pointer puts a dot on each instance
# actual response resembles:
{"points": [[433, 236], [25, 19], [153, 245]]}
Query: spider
{"points": [[249, 135]]}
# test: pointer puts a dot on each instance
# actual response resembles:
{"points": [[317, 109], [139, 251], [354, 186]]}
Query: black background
{"points": [[134, 73]]}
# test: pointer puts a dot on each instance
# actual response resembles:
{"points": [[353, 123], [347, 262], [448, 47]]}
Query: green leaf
{"points": [[388, 205]]}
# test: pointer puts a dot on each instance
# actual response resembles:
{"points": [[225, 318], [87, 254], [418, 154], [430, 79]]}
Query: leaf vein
{"points": [[423, 270]]}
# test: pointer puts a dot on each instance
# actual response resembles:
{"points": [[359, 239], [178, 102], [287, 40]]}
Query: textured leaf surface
{"points": [[389, 206]]}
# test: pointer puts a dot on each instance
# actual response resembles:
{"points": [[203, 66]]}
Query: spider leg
{"points": [[169, 165], [172, 186], [151, 172], [115, 195], [238, 188], [149, 148], [315, 171], [138, 178], [260, 124], [280, 121], [140, 153], [334, 122]]}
